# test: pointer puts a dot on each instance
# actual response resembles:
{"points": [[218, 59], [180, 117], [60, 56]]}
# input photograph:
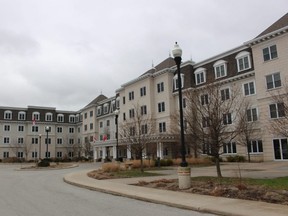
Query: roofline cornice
{"points": [[267, 36]]}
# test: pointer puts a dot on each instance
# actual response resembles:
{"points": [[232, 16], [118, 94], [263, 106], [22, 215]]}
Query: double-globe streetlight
{"points": [[116, 112]]}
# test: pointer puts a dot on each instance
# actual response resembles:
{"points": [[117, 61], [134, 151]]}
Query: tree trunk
{"points": [[217, 163], [247, 143]]}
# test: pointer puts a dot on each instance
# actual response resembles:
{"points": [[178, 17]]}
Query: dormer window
{"points": [[106, 106], [49, 117], [60, 118], [175, 81], [200, 76], [8, 114], [21, 115], [36, 116], [72, 118], [117, 102], [243, 61], [99, 110], [220, 69]]}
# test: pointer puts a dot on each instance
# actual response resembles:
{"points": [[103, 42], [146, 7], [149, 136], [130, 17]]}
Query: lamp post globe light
{"points": [[184, 171], [47, 129], [116, 112]]}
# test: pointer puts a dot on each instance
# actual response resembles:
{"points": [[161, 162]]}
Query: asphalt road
{"points": [[43, 193]]}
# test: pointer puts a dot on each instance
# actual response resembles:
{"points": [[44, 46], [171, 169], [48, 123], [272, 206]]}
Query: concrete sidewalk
{"points": [[201, 203]]}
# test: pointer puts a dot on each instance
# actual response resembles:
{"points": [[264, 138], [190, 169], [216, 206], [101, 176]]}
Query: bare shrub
{"points": [[110, 167]]}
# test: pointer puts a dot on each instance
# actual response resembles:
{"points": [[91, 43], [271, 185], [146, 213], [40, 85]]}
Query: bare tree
{"points": [[137, 131], [21, 146], [278, 112], [215, 109]]}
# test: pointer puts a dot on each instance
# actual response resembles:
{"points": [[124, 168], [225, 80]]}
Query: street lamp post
{"points": [[184, 171], [116, 112], [47, 131], [40, 146]]}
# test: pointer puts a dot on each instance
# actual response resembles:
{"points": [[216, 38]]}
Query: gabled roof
{"points": [[282, 22], [96, 100], [167, 63]]}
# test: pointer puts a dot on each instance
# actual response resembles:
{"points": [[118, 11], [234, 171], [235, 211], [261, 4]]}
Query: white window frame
{"points": [[71, 118], [229, 148], [49, 117], [162, 127], [202, 73], [175, 81], [273, 81], [257, 144], [224, 89], [242, 56], [60, 118], [99, 110], [269, 54], [106, 110], [8, 115], [226, 118], [276, 110], [161, 107], [249, 113], [22, 115], [160, 87], [219, 64], [249, 88]]}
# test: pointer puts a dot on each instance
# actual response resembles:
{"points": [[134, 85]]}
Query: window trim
{"points": [[241, 56], [249, 89], [269, 53], [197, 72], [273, 81], [219, 64], [175, 81]]}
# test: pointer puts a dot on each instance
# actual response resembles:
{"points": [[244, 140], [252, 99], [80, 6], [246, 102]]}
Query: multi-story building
{"points": [[258, 69]]}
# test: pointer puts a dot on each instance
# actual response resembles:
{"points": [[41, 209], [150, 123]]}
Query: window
{"points": [[143, 110], [99, 110], [161, 107], [252, 115], [117, 102], [131, 95], [229, 148], [34, 154], [34, 140], [124, 116], [160, 87], [59, 154], [108, 123], [72, 118], [59, 130], [131, 113], [204, 99], [6, 127], [255, 146], [200, 76], [249, 88], [36, 116], [85, 115], [205, 122], [144, 129], [21, 140], [70, 154], [21, 115], [243, 61], [280, 149], [220, 69], [225, 94], [106, 108], [85, 127], [71, 141], [162, 127], [227, 119], [123, 100], [277, 110], [132, 131], [273, 81], [20, 154], [71, 130], [60, 118], [48, 116], [47, 154], [91, 113], [34, 128], [101, 124], [6, 140], [20, 128], [270, 53], [91, 126], [77, 118], [8, 115], [175, 81], [143, 91], [5, 154], [59, 141]]}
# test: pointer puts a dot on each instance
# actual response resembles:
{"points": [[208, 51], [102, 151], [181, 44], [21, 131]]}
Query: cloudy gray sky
{"points": [[63, 53]]}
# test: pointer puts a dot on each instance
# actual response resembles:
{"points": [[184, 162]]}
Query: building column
{"points": [[104, 152], [114, 152], [160, 150], [129, 152], [95, 153]]}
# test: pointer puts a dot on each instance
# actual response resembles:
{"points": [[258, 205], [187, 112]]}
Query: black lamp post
{"points": [[116, 112], [40, 146], [47, 131], [177, 53]]}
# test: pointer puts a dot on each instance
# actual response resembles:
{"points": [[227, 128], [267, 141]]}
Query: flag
{"points": [[34, 121], [104, 137], [95, 138]]}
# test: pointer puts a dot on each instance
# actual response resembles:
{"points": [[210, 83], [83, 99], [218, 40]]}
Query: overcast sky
{"points": [[64, 53]]}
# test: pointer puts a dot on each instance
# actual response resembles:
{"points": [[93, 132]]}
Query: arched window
{"points": [[49, 117], [243, 61], [200, 75], [8, 114], [60, 118], [36, 116], [21, 115], [220, 69], [175, 81]]}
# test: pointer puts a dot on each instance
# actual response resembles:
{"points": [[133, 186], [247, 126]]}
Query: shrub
{"points": [[110, 167], [146, 163], [194, 161], [13, 160], [166, 162], [236, 158], [44, 163]]}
